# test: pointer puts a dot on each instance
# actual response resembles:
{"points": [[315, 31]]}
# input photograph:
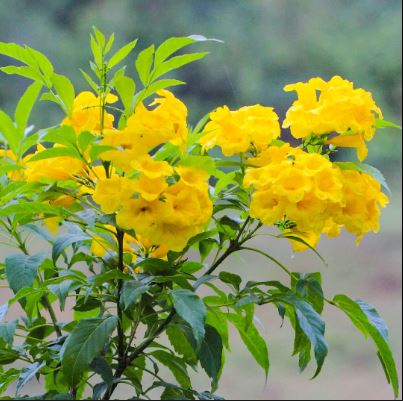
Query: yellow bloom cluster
{"points": [[308, 195], [86, 114], [147, 129], [237, 131], [339, 108], [161, 214]]}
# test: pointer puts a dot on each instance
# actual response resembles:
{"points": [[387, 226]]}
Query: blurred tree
{"points": [[268, 43]]}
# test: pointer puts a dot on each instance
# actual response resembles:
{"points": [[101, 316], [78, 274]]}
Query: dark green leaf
{"points": [[210, 354], [367, 320], [101, 367], [85, 342], [232, 279], [132, 292], [65, 240], [192, 310]]}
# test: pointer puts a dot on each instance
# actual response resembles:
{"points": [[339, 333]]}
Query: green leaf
{"points": [[7, 331], [132, 292], [232, 279], [253, 340], [218, 320], [22, 71], [172, 45], [65, 92], [65, 240], [21, 270], [312, 325], [85, 342], [205, 247], [175, 365], [55, 152], [177, 62], [101, 367], [211, 352], [308, 285], [8, 356], [25, 105], [367, 320], [181, 343], [10, 133], [27, 374], [121, 54], [63, 135], [126, 89], [90, 81], [31, 208], [380, 123], [192, 310], [144, 63], [367, 169]]}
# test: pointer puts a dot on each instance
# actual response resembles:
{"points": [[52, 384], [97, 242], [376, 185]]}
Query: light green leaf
{"points": [[85, 342], [253, 340], [144, 63], [22, 71], [10, 132], [121, 54], [177, 62], [126, 89], [52, 153], [386, 124], [90, 81], [367, 320], [25, 106], [155, 87], [192, 310], [65, 91], [218, 320], [205, 163]]}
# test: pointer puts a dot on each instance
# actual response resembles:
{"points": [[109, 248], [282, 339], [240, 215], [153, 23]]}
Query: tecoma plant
{"points": [[134, 212]]}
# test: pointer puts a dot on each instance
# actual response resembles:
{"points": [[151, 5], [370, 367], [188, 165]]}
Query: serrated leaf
{"points": [[253, 340], [232, 279], [210, 354], [85, 342], [181, 343], [192, 310], [132, 292], [367, 320], [308, 286], [175, 365], [312, 325]]}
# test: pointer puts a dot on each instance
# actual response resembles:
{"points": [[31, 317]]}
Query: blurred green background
{"points": [[267, 44]]}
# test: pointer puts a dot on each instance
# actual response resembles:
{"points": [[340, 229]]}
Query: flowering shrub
{"points": [[139, 211]]}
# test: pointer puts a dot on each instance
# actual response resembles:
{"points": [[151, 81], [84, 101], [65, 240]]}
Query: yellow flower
{"points": [[339, 108], [110, 193], [58, 168], [236, 131], [152, 168], [150, 188], [193, 177], [86, 114]]}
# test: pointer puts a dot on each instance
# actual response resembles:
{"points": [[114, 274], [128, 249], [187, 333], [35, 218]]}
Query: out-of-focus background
{"points": [[267, 44]]}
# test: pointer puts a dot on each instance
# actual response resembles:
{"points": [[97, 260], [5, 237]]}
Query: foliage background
{"points": [[268, 43]]}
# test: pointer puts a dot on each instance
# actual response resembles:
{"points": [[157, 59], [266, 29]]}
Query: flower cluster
{"points": [[250, 127], [305, 194], [340, 108]]}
